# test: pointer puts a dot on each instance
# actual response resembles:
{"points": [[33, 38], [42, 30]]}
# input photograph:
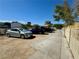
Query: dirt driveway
{"points": [[16, 48]]}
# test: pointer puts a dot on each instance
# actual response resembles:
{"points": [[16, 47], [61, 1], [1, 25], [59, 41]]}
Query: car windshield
{"points": [[23, 29]]}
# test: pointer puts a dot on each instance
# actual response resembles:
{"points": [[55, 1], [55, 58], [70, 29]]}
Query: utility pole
{"points": [[77, 6], [66, 8], [65, 5], [76, 3]]}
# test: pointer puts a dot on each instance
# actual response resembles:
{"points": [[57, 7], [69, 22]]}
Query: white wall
{"points": [[74, 41]]}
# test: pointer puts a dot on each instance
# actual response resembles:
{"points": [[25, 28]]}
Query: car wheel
{"points": [[8, 35], [22, 36]]}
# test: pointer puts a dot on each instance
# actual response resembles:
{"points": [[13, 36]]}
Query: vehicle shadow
{"points": [[24, 38], [31, 37], [1, 34]]}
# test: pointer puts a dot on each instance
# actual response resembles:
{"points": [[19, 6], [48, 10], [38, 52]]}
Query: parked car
{"points": [[16, 32], [49, 30], [42, 30], [38, 31]]}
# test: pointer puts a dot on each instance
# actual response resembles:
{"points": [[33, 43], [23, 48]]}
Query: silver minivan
{"points": [[17, 32]]}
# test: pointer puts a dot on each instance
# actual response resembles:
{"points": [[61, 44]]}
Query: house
{"points": [[16, 25]]}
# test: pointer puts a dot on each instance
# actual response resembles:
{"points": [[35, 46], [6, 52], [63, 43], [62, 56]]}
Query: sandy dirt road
{"points": [[40, 47], [16, 48]]}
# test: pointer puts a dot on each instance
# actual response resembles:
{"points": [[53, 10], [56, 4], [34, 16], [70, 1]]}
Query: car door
{"points": [[15, 33]]}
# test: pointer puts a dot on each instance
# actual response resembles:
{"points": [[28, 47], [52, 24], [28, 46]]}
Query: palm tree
{"points": [[29, 26], [48, 23], [36, 26], [64, 12]]}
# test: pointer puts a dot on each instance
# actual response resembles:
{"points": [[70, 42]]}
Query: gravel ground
{"points": [[41, 47], [49, 48], [16, 48]]}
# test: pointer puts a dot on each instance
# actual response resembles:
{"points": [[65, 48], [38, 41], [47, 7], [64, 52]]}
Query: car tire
{"points": [[22, 36]]}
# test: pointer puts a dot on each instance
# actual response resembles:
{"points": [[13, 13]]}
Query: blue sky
{"points": [[35, 11]]}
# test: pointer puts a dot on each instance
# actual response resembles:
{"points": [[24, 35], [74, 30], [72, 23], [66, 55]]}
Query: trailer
{"points": [[3, 30]]}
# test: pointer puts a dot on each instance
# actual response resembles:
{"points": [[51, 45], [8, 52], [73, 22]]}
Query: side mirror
{"points": [[19, 31]]}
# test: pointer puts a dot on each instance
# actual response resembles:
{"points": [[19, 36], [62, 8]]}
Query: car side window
{"points": [[14, 30]]}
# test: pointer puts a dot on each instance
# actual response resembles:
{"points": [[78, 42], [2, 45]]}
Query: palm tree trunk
{"points": [[64, 32], [69, 36]]}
